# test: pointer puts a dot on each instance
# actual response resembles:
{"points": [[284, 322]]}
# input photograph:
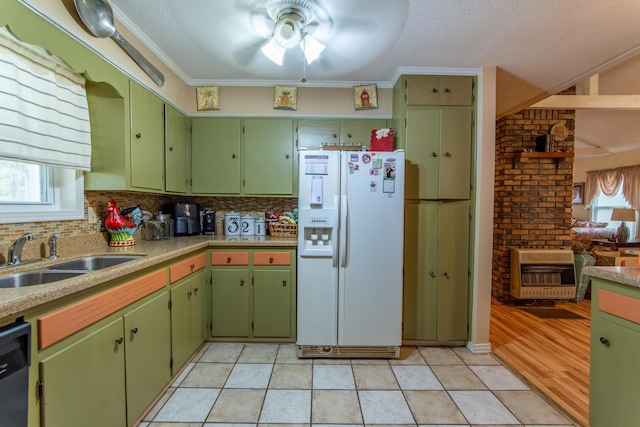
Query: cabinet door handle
{"points": [[170, 148], [432, 274], [233, 156], [284, 283], [286, 156], [335, 136], [195, 291], [228, 260], [348, 135], [193, 266], [447, 154], [241, 282], [605, 341], [447, 90], [189, 293], [138, 135], [434, 154], [134, 331], [119, 341], [434, 90], [270, 260], [445, 274]]}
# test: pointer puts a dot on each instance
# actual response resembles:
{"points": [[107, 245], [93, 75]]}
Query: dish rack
{"points": [[283, 230]]}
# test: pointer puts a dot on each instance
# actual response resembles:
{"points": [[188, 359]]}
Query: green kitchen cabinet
{"points": [[147, 355], [436, 271], [190, 316], [271, 303], [215, 156], [177, 137], [438, 150], [84, 384], [231, 297], [615, 346], [437, 90], [254, 293], [147, 139], [312, 134], [268, 157]]}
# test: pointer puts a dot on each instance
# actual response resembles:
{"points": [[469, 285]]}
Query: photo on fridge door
{"points": [[389, 179]]}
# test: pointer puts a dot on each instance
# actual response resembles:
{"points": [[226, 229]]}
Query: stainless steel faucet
{"points": [[53, 245], [15, 250]]}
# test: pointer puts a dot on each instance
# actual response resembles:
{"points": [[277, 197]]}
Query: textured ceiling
{"points": [[539, 46]]}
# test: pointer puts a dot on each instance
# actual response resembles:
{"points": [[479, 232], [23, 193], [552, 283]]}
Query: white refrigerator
{"points": [[350, 243]]}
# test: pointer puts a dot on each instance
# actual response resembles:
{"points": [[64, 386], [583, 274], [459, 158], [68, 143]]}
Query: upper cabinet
{"points": [[147, 139], [312, 134], [176, 140], [252, 157], [268, 157], [434, 90]]}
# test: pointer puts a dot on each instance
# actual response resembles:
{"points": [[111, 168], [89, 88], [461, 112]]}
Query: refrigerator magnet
{"points": [[351, 166], [366, 159], [376, 164], [388, 186], [373, 186]]}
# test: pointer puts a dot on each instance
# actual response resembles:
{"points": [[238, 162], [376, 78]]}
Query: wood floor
{"points": [[552, 354]]}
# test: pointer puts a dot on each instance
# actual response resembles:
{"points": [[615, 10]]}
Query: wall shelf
{"points": [[557, 156]]}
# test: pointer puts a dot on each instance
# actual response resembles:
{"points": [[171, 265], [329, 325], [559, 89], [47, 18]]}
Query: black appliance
{"points": [[209, 222], [187, 218], [15, 358]]}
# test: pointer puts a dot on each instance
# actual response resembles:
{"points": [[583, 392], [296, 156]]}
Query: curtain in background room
{"points": [[44, 116], [607, 181]]}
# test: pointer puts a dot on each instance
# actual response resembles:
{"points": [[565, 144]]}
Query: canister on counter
{"points": [[232, 224], [247, 225], [261, 229]]}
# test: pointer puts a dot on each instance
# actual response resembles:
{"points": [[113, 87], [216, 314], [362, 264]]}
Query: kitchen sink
{"points": [[35, 277], [93, 263]]}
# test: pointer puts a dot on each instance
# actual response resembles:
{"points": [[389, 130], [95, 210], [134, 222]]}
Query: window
{"points": [[30, 193], [604, 205]]}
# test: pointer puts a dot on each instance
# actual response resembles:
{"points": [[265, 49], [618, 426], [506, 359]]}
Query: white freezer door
{"points": [[371, 236]]}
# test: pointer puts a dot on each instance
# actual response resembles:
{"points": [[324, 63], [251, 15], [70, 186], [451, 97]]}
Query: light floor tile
{"points": [[498, 378], [286, 406], [475, 359], [530, 408], [249, 375], [454, 377], [333, 377], [440, 356], [409, 355], [173, 425], [258, 353], [176, 382], [433, 407], [482, 407], [222, 352], [374, 377], [384, 407], [211, 375], [288, 353], [292, 377], [188, 405], [370, 361], [159, 404], [416, 378], [201, 352], [237, 406], [335, 407], [229, 425]]}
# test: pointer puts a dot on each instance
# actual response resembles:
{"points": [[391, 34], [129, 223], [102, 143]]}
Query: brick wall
{"points": [[532, 207]]}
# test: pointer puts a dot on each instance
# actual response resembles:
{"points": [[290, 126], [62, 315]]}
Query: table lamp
{"points": [[623, 215]]}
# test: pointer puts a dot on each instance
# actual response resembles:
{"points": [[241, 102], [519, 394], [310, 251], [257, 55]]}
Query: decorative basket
{"points": [[283, 230]]}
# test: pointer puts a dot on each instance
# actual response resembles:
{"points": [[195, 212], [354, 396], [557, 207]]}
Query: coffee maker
{"points": [[209, 222], [187, 218]]}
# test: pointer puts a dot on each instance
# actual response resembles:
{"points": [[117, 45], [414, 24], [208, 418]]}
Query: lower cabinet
{"points": [[109, 377], [615, 346], [436, 271], [254, 293], [190, 308]]}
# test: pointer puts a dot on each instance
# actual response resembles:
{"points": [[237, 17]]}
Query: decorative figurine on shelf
{"points": [[122, 226]]}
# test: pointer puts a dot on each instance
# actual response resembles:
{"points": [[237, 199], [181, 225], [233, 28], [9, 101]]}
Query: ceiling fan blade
{"points": [[244, 54]]}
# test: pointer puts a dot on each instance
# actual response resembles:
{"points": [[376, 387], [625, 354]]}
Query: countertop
{"points": [[16, 300], [625, 275]]}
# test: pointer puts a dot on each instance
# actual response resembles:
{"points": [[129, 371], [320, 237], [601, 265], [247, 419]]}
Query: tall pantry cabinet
{"points": [[433, 121]]}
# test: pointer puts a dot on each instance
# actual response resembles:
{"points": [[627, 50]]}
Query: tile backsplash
{"points": [[76, 230]]}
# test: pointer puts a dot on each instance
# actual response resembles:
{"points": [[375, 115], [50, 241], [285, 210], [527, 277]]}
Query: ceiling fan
{"points": [[292, 21]]}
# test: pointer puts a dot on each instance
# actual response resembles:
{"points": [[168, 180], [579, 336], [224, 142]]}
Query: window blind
{"points": [[44, 116]]}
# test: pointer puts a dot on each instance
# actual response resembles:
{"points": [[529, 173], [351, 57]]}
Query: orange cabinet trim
{"points": [[272, 258], [230, 258], [186, 267], [61, 323], [619, 305]]}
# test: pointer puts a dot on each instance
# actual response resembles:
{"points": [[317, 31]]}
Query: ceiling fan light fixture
{"points": [[312, 48], [288, 30], [274, 51]]}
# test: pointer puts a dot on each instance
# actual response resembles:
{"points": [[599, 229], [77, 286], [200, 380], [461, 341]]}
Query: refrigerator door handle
{"points": [[344, 223]]}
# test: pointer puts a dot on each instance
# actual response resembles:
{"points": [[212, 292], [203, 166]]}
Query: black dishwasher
{"points": [[15, 357]]}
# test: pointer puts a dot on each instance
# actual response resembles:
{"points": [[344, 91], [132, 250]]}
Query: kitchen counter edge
{"points": [[17, 300], [625, 275]]}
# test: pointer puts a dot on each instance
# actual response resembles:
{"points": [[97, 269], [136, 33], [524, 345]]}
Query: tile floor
{"points": [[243, 385]]}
